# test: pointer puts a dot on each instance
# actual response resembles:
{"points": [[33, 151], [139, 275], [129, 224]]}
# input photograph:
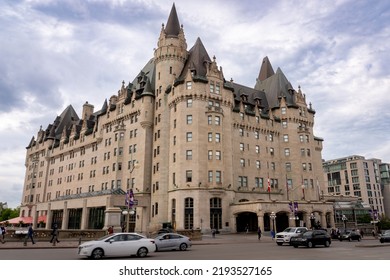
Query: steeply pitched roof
{"points": [[276, 86], [173, 26], [197, 60], [66, 120], [266, 69]]}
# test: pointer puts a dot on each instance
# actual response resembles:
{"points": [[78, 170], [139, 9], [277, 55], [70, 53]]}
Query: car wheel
{"points": [[142, 252], [349, 239], [97, 254], [295, 246], [359, 239], [382, 241], [279, 243], [327, 244], [183, 247], [310, 244]]}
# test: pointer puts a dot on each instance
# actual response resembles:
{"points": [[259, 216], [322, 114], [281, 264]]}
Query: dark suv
{"points": [[350, 235], [311, 239]]}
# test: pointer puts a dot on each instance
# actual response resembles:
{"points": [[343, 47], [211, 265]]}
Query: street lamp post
{"points": [[273, 217], [312, 220], [344, 218], [130, 197]]}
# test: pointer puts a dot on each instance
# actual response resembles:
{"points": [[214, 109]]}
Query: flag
{"points": [[129, 198], [290, 205], [269, 185]]}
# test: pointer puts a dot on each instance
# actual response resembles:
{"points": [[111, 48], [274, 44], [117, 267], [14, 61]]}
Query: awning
{"points": [[25, 220]]}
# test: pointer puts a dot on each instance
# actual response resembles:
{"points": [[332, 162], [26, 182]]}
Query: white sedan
{"points": [[118, 245], [172, 241]]}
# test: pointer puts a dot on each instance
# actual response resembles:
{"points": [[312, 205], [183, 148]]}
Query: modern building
{"points": [[198, 151], [357, 180]]}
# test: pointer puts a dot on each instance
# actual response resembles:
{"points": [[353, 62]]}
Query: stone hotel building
{"points": [[198, 150]]}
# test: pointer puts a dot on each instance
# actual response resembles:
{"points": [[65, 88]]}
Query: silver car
{"points": [[172, 241], [118, 244]]}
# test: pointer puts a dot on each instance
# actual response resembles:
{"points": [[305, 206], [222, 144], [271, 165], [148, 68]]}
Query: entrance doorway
{"points": [[246, 219]]}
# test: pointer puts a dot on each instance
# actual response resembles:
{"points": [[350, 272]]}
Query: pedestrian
{"points": [[258, 233], [213, 232], [30, 234], [361, 233], [110, 230], [272, 234], [373, 232], [246, 229], [3, 232], [54, 234]]}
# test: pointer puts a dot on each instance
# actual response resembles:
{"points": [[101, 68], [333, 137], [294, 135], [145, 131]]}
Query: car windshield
{"points": [[289, 230], [307, 234]]}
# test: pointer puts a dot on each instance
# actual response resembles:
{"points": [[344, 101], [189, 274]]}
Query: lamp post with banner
{"points": [[129, 201], [374, 216]]}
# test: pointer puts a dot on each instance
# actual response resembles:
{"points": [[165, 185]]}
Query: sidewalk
{"points": [[207, 239], [73, 243]]}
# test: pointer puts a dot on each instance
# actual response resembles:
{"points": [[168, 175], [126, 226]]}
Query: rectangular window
{"points": [[210, 176], [257, 149], [285, 138], [189, 119], [189, 136], [218, 176], [189, 176], [210, 120], [242, 162], [287, 152], [218, 155], [189, 155], [210, 137], [212, 87], [242, 147], [210, 154], [189, 102], [188, 85], [217, 137], [217, 88], [217, 120]]}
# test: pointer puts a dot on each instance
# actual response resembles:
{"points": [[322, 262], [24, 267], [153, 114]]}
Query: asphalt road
{"points": [[250, 249]]}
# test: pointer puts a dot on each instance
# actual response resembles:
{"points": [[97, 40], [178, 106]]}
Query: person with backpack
{"points": [[3, 232]]}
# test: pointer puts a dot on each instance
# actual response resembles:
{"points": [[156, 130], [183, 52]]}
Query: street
{"points": [[231, 248]]}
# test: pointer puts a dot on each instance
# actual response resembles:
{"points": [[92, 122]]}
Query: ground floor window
{"points": [[74, 221], [189, 213], [96, 218], [215, 213]]}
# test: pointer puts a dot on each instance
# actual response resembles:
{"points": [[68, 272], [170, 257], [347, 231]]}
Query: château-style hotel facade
{"points": [[210, 153]]}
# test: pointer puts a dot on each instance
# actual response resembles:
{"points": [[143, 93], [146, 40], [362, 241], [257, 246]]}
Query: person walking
{"points": [[30, 234], [54, 235], [258, 233], [110, 230], [3, 232]]}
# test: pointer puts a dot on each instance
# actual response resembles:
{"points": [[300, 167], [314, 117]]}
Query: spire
{"points": [[266, 69], [173, 27]]}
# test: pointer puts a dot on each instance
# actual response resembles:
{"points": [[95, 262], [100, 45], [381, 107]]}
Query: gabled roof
{"points": [[197, 61], [173, 26], [66, 120], [275, 87]]}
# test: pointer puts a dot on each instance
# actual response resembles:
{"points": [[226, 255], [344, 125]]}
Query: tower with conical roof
{"points": [[169, 57]]}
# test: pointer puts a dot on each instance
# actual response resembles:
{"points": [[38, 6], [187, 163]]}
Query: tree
{"points": [[9, 213]]}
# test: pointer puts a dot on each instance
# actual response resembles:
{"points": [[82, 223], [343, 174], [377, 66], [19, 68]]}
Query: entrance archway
{"points": [[246, 219]]}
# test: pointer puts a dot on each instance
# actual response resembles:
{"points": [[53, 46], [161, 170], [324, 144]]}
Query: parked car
{"points": [[385, 237], [311, 239], [350, 235], [118, 245], [172, 241], [285, 235]]}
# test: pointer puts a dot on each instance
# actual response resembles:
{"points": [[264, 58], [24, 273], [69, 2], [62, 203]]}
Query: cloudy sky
{"points": [[56, 53]]}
